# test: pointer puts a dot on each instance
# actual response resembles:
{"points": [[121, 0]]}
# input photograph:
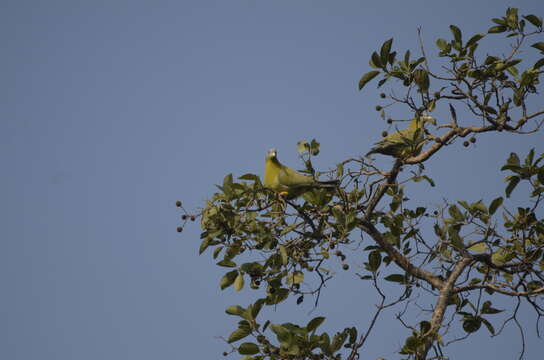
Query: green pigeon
{"points": [[288, 182], [404, 143]]}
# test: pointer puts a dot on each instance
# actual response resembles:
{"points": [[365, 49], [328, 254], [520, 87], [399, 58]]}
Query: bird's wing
{"points": [[292, 178]]}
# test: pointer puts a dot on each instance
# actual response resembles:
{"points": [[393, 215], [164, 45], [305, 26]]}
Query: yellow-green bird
{"points": [[288, 182], [404, 143]]}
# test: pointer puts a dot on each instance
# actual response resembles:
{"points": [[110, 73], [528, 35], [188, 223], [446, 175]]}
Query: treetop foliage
{"points": [[461, 255]]}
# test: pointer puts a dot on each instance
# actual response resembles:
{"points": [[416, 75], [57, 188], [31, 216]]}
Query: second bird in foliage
{"points": [[404, 143]]}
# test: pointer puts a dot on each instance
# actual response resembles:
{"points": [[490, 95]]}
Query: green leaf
{"points": [[478, 207], [374, 260], [256, 308], [499, 21], [442, 44], [384, 52], [251, 177], [340, 170], [411, 344], [302, 146], [236, 310], [294, 278], [281, 333], [424, 326], [314, 323], [539, 64], [337, 341], [283, 254], [203, 246], [238, 334], [396, 278], [488, 309], [367, 77], [478, 248], [407, 57], [535, 20], [454, 237], [422, 79], [456, 33], [456, 214], [495, 204], [512, 17], [513, 159], [472, 324], [228, 279], [488, 326], [248, 349], [540, 175], [429, 180], [514, 181], [216, 252], [239, 282], [376, 60], [314, 147], [497, 29], [512, 70], [227, 263], [539, 46], [473, 40], [279, 296], [227, 181], [502, 256]]}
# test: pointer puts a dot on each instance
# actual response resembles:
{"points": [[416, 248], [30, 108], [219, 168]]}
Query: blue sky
{"points": [[112, 110]]}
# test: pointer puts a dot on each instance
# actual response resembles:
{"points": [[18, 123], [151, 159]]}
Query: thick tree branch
{"points": [[438, 312], [500, 290], [400, 259]]}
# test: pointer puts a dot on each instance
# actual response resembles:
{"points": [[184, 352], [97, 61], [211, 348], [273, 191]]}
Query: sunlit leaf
{"points": [[367, 77]]}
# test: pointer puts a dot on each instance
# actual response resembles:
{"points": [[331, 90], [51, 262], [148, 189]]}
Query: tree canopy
{"points": [[461, 255]]}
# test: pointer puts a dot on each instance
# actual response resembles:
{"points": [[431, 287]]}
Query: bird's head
{"points": [[271, 154]]}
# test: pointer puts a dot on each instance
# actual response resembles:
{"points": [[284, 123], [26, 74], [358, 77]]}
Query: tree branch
{"points": [[400, 259], [438, 312]]}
